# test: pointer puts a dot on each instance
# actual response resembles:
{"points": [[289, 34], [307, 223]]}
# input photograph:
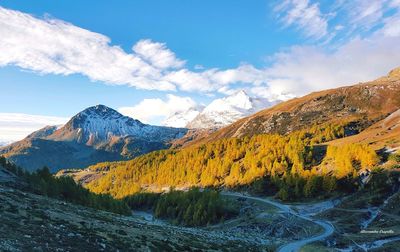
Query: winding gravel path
{"points": [[295, 245]]}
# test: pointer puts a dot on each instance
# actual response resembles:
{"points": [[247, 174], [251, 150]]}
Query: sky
{"points": [[150, 59]]}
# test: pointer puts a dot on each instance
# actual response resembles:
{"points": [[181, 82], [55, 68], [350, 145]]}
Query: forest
{"points": [[237, 162], [191, 208]]}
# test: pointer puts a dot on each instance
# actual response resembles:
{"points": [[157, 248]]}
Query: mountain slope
{"points": [[94, 135], [224, 111], [385, 133], [366, 103]]}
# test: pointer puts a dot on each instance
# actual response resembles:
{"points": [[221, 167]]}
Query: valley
{"points": [[200, 126], [315, 173], [263, 224], [71, 227]]}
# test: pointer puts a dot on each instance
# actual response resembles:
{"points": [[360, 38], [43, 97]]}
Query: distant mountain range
{"points": [[94, 135], [100, 133], [220, 112], [368, 113]]}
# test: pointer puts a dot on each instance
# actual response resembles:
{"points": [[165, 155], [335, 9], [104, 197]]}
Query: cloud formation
{"points": [[53, 46], [16, 126], [157, 54], [363, 56], [303, 69], [340, 19], [58, 47], [151, 110], [305, 16]]}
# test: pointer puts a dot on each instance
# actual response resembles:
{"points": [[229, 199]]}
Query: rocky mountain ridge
{"points": [[96, 134], [366, 103]]}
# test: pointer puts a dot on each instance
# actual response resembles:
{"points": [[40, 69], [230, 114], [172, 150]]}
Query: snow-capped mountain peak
{"points": [[95, 117], [239, 100], [224, 111], [180, 119], [100, 123], [94, 135]]}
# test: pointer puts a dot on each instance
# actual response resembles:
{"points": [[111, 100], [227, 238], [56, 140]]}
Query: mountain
{"points": [[298, 137], [364, 104], [224, 111], [182, 118], [96, 134], [100, 124]]}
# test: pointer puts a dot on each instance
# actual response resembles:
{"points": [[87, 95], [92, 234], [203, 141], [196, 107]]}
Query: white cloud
{"points": [[305, 16], [150, 110], [391, 26], [362, 17], [187, 80], [245, 73], [157, 54], [53, 46], [394, 4], [365, 14], [15, 126], [342, 19], [303, 69]]}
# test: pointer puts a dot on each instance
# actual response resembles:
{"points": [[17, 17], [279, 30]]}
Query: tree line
{"points": [[294, 187], [191, 208], [64, 188]]}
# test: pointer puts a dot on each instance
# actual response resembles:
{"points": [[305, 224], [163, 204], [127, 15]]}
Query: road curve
{"points": [[295, 245]]}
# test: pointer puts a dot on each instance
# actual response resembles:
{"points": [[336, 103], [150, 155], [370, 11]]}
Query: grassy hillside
{"points": [[42, 182], [385, 133]]}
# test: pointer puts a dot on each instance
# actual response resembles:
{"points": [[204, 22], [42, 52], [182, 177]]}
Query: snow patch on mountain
{"points": [[182, 118], [224, 111]]}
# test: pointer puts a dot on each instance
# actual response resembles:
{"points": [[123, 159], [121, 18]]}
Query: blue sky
{"points": [[59, 57], [196, 31]]}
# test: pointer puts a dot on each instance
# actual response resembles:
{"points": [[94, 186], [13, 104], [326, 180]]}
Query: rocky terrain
{"points": [[362, 224], [30, 222]]}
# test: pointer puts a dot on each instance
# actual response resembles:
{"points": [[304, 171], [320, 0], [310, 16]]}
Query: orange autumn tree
{"points": [[231, 162]]}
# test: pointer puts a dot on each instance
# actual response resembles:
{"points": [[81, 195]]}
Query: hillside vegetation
{"points": [[191, 208], [44, 183], [238, 161]]}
